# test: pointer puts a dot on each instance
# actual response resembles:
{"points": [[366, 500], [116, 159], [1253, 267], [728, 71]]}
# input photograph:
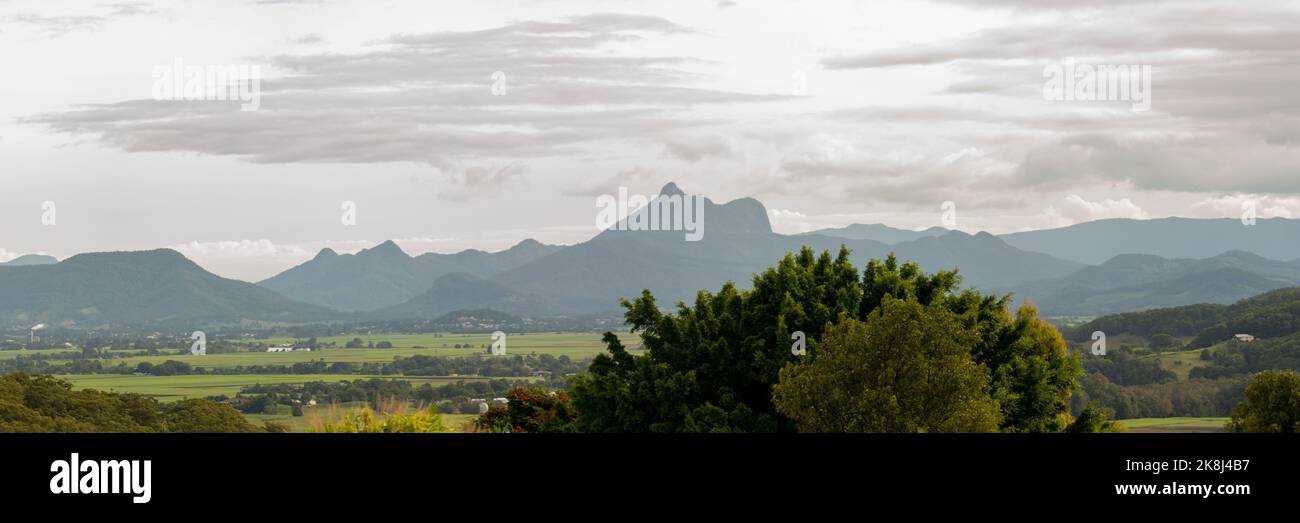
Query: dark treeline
{"points": [[1123, 367], [376, 392], [47, 404], [1270, 315], [545, 366], [1237, 358], [1195, 397]]}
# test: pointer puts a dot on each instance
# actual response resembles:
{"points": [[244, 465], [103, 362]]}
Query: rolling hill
{"points": [[135, 288], [460, 292], [1273, 314], [1133, 282], [30, 259]]}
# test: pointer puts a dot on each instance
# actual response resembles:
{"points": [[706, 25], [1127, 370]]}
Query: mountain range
{"points": [[1131, 282], [1086, 269], [143, 287], [384, 275], [1097, 241]]}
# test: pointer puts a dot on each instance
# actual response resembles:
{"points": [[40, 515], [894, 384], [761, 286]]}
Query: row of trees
{"points": [[544, 365], [450, 398]]}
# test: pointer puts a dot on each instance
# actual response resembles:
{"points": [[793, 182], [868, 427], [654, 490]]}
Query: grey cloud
{"points": [[1185, 165], [56, 26], [1224, 115], [696, 149], [630, 178], [60, 25], [308, 39], [481, 181], [428, 99]]}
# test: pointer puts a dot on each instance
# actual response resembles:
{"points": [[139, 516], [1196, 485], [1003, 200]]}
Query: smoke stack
{"points": [[31, 340]]}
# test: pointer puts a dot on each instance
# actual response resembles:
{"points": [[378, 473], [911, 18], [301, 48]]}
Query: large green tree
{"points": [[711, 366], [1032, 373], [907, 368], [1272, 404]]}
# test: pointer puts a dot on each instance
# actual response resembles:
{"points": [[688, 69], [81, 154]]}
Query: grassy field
{"points": [[577, 346], [1180, 363], [11, 354], [175, 388], [1141, 425]]}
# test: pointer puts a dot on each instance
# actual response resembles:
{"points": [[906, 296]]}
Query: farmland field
{"points": [[1141, 425], [1180, 363], [175, 388], [10, 354], [577, 346]]}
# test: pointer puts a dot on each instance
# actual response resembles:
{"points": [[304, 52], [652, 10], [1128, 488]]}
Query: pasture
{"points": [[577, 346], [11, 354], [1174, 425], [1180, 363], [176, 388]]}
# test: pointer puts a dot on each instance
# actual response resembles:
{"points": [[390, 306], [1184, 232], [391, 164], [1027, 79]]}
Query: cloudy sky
{"points": [[829, 112]]}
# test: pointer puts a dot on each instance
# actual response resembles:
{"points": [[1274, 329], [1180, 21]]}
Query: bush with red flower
{"points": [[532, 409]]}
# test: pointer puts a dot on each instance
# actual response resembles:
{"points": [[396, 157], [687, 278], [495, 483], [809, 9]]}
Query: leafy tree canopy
{"points": [[46, 404], [907, 368], [1272, 404], [711, 366]]}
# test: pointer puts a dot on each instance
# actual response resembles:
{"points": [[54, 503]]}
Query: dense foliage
{"points": [[364, 420], [1272, 404], [1123, 367], [907, 368], [711, 366], [47, 404], [1268, 315], [1194, 397], [531, 409], [1246, 358], [1094, 419]]}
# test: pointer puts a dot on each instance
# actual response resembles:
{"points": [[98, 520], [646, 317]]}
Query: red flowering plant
{"points": [[532, 409]]}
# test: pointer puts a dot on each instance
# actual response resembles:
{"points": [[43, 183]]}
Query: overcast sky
{"points": [[829, 112]]}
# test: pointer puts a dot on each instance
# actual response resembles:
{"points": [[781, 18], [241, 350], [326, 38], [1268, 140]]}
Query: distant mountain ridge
{"points": [[738, 242], [1132, 282], [137, 288], [1097, 241], [30, 259], [533, 280], [877, 232], [384, 275]]}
